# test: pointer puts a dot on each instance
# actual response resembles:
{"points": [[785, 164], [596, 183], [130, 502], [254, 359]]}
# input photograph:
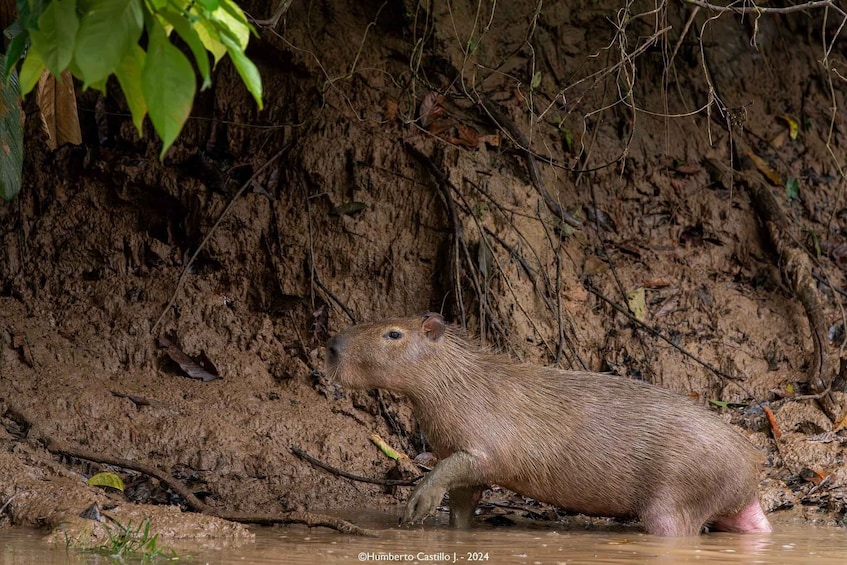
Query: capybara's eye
{"points": [[393, 334]]}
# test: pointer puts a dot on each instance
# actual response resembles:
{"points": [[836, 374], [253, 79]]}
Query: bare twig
{"points": [[764, 9]]}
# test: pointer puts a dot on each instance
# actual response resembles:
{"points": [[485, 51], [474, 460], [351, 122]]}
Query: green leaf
{"points": [[31, 71], [107, 31], [792, 189], [54, 39], [14, 53], [211, 39], [210, 5], [168, 84], [106, 480], [187, 32], [226, 22], [129, 76], [245, 67], [724, 404], [11, 136], [536, 81], [30, 10], [235, 13]]}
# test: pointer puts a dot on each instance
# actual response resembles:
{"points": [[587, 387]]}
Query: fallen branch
{"points": [[198, 505], [385, 482]]}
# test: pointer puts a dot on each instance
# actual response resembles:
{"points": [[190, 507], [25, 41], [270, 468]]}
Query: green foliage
{"points": [[11, 136], [536, 81], [134, 542], [792, 189], [95, 39]]}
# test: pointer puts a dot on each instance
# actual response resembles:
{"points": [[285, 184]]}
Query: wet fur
{"points": [[587, 442]]}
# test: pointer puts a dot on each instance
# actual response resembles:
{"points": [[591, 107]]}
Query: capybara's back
{"points": [[591, 443]]}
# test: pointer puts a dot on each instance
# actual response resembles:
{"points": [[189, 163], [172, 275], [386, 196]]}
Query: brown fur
{"points": [[587, 442]]}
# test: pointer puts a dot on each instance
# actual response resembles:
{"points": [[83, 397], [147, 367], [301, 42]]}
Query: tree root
{"points": [[198, 505], [796, 269]]}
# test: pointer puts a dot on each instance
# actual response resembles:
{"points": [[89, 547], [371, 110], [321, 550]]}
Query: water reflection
{"points": [[788, 545]]}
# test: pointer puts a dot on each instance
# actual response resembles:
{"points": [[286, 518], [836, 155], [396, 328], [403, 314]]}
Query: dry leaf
{"points": [[688, 169], [430, 109], [192, 368], [57, 103], [637, 302], [19, 343], [777, 432], [669, 306], [762, 166], [391, 109], [656, 282], [438, 127], [793, 126], [492, 140]]}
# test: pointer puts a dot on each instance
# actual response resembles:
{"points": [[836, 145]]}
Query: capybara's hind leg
{"points": [[750, 519], [667, 519], [463, 501]]}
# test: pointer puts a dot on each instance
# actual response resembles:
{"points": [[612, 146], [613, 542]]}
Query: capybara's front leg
{"points": [[455, 473], [463, 501]]}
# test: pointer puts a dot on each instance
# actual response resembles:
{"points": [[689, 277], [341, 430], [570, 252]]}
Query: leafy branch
{"points": [[131, 39]]}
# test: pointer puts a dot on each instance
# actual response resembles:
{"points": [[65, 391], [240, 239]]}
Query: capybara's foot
{"points": [[750, 520]]}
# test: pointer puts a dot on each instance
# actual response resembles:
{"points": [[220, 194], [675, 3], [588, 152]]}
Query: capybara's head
{"points": [[384, 354]]}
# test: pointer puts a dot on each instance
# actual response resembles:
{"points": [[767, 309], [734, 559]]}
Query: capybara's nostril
{"points": [[332, 351]]}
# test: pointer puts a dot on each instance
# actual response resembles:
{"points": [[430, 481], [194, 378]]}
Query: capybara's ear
{"points": [[433, 325]]}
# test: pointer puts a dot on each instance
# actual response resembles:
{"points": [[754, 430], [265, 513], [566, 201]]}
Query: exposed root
{"points": [[198, 505]]}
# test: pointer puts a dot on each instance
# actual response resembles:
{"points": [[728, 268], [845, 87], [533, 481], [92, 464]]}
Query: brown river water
{"points": [[789, 544]]}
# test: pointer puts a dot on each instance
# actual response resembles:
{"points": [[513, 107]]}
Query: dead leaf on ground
{"points": [[391, 109], [775, 429], [19, 343], [840, 424], [599, 217], [636, 299], [656, 282], [670, 305], [430, 109], [202, 368], [688, 168], [837, 252], [763, 167], [793, 126]]}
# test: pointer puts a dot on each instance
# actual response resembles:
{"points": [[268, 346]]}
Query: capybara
{"points": [[587, 442]]}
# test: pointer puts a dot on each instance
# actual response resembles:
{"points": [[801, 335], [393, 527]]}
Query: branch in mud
{"points": [[385, 482], [198, 505]]}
